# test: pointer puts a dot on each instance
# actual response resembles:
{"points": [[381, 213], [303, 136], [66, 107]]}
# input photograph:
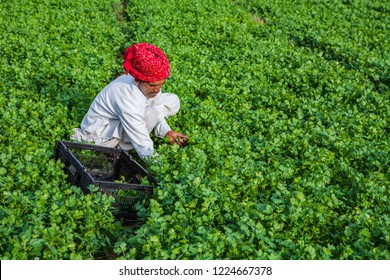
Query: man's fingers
{"points": [[178, 138], [182, 141]]}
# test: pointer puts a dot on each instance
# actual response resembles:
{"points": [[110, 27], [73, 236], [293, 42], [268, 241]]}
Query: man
{"points": [[126, 111]]}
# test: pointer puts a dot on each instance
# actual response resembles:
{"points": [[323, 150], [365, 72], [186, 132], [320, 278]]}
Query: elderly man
{"points": [[126, 111]]}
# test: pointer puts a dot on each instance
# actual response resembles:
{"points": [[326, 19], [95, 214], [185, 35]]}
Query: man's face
{"points": [[150, 89]]}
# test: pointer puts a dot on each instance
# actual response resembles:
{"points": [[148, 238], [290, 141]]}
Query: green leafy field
{"points": [[286, 103]]}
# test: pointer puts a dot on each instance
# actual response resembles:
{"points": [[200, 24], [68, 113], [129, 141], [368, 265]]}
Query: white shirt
{"points": [[118, 111]]}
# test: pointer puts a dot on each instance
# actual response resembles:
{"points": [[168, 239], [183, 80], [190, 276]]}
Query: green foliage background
{"points": [[286, 104]]}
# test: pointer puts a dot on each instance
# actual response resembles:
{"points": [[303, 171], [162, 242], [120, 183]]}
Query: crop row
{"points": [[289, 154], [54, 56]]}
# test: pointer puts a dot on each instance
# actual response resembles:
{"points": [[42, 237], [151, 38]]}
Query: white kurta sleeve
{"points": [[162, 128], [130, 108], [135, 129], [164, 105]]}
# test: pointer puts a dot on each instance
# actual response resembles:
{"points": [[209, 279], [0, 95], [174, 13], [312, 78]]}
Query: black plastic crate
{"points": [[113, 170]]}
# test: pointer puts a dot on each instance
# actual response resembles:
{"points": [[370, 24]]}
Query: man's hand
{"points": [[177, 137]]}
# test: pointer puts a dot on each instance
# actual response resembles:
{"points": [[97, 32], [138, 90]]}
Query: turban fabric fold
{"points": [[146, 62]]}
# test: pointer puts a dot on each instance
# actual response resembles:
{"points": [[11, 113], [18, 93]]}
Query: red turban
{"points": [[146, 62]]}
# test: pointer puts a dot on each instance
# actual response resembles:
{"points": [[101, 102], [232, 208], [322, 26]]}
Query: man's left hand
{"points": [[177, 137]]}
